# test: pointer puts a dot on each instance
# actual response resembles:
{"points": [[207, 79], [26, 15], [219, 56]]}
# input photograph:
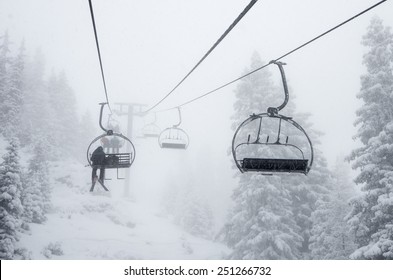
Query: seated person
{"points": [[98, 158]]}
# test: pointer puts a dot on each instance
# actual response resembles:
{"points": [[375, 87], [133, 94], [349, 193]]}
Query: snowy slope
{"points": [[101, 225]]}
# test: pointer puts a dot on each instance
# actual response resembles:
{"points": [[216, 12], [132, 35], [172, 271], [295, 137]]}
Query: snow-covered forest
{"points": [[190, 205]]}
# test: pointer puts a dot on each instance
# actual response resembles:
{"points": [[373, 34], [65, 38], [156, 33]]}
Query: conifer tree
{"points": [[188, 207], [195, 214], [371, 217], [10, 204], [12, 105], [63, 104], [36, 194], [4, 58], [55, 104], [330, 235], [4, 81], [37, 114], [306, 191], [86, 132]]}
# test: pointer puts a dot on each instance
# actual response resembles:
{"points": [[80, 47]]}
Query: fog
{"points": [[148, 46]]}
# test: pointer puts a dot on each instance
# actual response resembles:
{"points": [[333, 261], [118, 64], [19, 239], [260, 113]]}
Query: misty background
{"points": [[148, 46]]}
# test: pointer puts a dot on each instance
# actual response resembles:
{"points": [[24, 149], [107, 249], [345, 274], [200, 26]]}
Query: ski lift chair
{"points": [[174, 137], [151, 130], [120, 152], [293, 154]]}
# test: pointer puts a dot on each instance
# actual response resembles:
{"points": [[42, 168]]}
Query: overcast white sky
{"points": [[148, 46]]}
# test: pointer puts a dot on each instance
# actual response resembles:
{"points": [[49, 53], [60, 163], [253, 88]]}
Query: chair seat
{"points": [[173, 145], [120, 160], [275, 165]]}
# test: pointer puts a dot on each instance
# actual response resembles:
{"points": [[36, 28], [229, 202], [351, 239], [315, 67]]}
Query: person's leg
{"points": [[102, 174], [94, 174]]}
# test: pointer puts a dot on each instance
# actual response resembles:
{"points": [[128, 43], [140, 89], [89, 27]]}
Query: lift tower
{"points": [[129, 110]]}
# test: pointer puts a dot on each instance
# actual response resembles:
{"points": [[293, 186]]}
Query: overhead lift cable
{"points": [[277, 59], [99, 53], [242, 14]]}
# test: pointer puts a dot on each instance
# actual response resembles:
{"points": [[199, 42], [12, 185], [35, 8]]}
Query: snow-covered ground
{"points": [[101, 225]]}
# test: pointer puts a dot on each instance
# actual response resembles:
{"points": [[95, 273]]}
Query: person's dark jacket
{"points": [[98, 156]]}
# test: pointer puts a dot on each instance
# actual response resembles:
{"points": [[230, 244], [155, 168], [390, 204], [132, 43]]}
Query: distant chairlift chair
{"points": [[151, 130], [174, 137]]}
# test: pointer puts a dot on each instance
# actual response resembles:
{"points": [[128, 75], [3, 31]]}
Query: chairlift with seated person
{"points": [[253, 149], [174, 137], [117, 152]]}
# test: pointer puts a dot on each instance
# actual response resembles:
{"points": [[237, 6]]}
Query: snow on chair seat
{"points": [[174, 137], [276, 165], [173, 145]]}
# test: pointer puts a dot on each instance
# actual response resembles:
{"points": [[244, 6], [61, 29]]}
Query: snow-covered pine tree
{"points": [[261, 224], [37, 114], [86, 132], [63, 103], [195, 214], [54, 104], [371, 217], [12, 105], [170, 197], [188, 207], [4, 81], [36, 193], [330, 234], [10, 205], [306, 191]]}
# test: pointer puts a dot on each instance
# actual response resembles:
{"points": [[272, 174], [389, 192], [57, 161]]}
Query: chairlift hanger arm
{"points": [[179, 112], [109, 132], [273, 110]]}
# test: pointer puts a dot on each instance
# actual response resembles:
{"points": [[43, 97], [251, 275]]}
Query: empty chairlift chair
{"points": [[151, 130], [174, 137], [260, 145]]}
